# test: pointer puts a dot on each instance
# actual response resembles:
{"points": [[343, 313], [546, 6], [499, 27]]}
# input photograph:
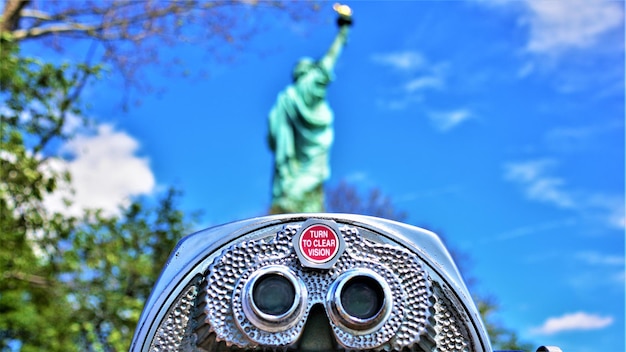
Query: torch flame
{"points": [[343, 10]]}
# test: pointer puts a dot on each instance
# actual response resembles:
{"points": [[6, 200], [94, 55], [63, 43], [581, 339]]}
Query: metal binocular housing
{"points": [[311, 282]]}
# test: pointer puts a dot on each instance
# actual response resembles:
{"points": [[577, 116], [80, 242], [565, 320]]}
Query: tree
{"points": [[67, 284], [79, 283], [133, 33], [112, 264], [37, 98], [501, 337], [346, 198]]}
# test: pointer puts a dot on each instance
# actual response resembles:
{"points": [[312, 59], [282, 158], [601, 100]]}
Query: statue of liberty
{"points": [[301, 130]]}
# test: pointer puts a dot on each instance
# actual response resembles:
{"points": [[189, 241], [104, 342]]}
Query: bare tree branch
{"points": [[35, 280], [133, 33], [38, 32], [11, 15]]}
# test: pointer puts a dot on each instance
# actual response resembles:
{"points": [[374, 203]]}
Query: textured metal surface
{"points": [[175, 331], [411, 295], [450, 327], [549, 349], [198, 303]]}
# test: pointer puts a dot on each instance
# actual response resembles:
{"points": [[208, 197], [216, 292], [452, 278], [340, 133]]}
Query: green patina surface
{"points": [[301, 134]]}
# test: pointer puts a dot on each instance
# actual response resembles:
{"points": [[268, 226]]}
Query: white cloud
{"points": [[549, 190], [584, 137], [618, 219], [394, 105], [105, 170], [357, 176], [416, 70], [611, 206], [536, 228], [424, 82], [595, 258], [588, 280], [573, 138], [534, 176], [445, 121], [73, 123], [401, 60], [573, 322], [619, 278], [420, 77], [604, 269], [566, 39], [527, 171], [558, 25]]}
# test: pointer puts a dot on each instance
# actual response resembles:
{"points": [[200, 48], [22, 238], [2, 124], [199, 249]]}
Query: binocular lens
{"points": [[273, 294], [362, 297], [274, 299], [359, 300]]}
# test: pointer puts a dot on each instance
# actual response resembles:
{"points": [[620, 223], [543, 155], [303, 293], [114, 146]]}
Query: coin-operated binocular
{"points": [[311, 282]]}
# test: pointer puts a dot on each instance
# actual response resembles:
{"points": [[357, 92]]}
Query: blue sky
{"points": [[499, 124]]}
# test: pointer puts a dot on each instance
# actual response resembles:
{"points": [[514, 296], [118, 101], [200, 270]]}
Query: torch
{"points": [[345, 14]]}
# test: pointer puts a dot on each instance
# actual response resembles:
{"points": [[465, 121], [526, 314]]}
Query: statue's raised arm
{"points": [[344, 21], [301, 131]]}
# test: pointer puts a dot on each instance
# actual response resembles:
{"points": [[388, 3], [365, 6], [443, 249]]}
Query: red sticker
{"points": [[319, 243]]}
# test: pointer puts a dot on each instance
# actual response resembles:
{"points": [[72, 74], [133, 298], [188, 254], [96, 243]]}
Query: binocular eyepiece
{"points": [[311, 282]]}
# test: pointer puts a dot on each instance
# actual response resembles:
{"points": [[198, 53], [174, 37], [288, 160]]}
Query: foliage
{"points": [[78, 284], [37, 98], [345, 198], [501, 337], [67, 284], [112, 264]]}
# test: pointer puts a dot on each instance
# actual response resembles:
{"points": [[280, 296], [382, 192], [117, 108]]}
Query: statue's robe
{"points": [[300, 135]]}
